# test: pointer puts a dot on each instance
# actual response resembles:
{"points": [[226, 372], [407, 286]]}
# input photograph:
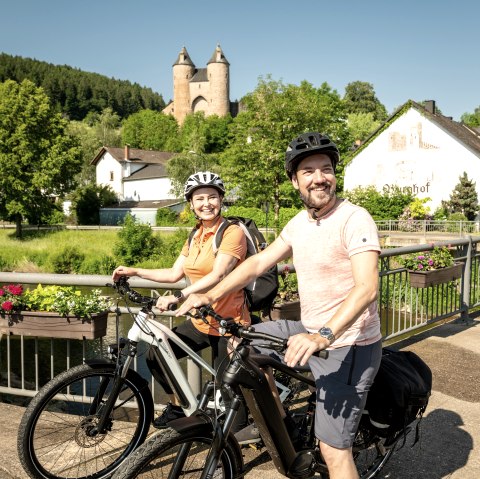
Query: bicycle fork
{"points": [[118, 380]]}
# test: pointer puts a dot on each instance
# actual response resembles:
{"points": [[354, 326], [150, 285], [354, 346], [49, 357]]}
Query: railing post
{"points": [[465, 293]]}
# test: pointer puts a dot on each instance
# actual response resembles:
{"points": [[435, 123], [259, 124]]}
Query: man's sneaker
{"points": [[248, 435], [170, 413]]}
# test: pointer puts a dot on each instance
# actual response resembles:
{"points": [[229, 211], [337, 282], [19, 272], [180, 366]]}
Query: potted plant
{"points": [[287, 302], [53, 311], [432, 267]]}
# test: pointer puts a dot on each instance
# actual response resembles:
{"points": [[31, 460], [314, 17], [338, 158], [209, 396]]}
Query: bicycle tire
{"points": [[53, 440], [155, 457], [370, 453]]}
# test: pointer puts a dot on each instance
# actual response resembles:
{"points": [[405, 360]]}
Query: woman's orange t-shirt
{"points": [[199, 262]]}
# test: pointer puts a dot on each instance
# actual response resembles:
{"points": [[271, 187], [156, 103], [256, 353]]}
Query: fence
{"points": [[426, 227], [403, 310]]}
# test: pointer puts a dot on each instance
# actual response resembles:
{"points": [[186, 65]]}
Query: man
{"points": [[335, 250]]}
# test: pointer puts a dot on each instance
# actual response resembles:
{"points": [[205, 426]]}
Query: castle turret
{"points": [[183, 71], [218, 72]]}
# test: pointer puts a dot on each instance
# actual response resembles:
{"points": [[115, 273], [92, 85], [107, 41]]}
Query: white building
{"points": [[139, 179], [418, 150]]}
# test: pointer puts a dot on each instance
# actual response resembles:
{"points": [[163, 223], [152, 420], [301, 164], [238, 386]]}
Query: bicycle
{"points": [[88, 419], [202, 446]]}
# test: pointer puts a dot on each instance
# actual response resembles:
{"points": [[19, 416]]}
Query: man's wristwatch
{"points": [[179, 295], [327, 333]]}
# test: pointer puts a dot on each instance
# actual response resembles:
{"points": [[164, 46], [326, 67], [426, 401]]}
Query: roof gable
{"points": [[462, 133], [148, 157]]}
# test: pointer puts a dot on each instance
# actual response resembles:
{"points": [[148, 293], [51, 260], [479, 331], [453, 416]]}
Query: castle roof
{"points": [[200, 75], [184, 58], [218, 56]]}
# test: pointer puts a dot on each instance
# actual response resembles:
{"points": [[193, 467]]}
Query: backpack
{"points": [[261, 292], [399, 393]]}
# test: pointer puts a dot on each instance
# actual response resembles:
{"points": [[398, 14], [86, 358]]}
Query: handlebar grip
{"points": [[172, 306], [321, 354]]}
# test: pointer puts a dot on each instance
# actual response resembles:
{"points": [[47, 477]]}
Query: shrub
{"points": [[67, 261], [135, 241], [165, 217]]}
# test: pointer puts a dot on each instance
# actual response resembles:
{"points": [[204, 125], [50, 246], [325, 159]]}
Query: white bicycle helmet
{"points": [[203, 179]]}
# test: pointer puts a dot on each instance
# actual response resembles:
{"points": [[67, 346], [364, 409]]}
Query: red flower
{"points": [[7, 305], [15, 290], [2, 292]]}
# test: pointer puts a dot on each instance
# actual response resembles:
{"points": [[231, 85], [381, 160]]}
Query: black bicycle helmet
{"points": [[203, 179], [307, 144]]}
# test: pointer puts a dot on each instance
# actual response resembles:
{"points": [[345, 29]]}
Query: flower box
{"points": [[54, 325], [423, 279], [288, 310]]}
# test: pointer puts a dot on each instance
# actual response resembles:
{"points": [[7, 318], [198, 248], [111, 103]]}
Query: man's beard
{"points": [[316, 204]]}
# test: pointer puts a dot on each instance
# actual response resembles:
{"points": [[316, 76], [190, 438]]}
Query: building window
{"points": [[111, 176]]}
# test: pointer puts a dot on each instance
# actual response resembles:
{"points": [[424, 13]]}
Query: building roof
{"points": [[184, 58], [218, 56], [146, 204], [134, 155], [148, 172], [469, 137], [200, 75]]}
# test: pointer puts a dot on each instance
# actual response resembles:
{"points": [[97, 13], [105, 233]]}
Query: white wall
{"points": [[148, 190], [105, 166], [414, 153]]}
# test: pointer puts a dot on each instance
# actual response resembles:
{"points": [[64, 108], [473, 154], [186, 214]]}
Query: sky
{"points": [[407, 49]]}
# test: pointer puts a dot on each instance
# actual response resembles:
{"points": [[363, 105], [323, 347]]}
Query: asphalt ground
{"points": [[449, 444]]}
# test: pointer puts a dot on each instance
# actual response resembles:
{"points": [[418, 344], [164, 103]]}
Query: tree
{"points": [[253, 164], [464, 198], [87, 201], [38, 159], [361, 125], [388, 205], [151, 130], [360, 98], [472, 119]]}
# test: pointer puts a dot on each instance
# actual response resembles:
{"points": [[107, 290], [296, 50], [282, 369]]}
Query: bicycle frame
{"points": [[159, 335], [246, 376]]}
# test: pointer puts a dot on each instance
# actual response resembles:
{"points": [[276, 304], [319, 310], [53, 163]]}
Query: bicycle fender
{"points": [[197, 419], [132, 374]]}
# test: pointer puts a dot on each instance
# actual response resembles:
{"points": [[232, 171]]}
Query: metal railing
{"points": [[429, 227], [403, 310]]}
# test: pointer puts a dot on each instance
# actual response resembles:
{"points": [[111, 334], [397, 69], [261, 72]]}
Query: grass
{"points": [[33, 253]]}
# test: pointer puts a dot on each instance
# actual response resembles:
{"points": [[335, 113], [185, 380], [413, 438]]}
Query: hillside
{"points": [[75, 93]]}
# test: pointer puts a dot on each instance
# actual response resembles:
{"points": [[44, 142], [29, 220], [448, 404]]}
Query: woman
{"points": [[197, 261]]}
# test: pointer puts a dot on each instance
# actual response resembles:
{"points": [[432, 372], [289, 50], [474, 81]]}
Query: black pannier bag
{"points": [[261, 292], [400, 392]]}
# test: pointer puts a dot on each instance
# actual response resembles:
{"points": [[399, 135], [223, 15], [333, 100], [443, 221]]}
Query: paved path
{"points": [[450, 439]]}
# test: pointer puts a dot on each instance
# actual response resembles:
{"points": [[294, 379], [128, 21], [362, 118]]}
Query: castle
{"points": [[201, 89]]}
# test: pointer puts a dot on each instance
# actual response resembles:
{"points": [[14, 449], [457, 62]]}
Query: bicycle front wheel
{"points": [[171, 454], [57, 435]]}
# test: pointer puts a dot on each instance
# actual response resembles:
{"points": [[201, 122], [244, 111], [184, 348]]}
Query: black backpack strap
{"points": [[217, 239], [191, 235]]}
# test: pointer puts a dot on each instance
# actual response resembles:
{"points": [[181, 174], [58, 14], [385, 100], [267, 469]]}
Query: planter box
{"points": [[423, 279], [289, 310], [53, 325]]}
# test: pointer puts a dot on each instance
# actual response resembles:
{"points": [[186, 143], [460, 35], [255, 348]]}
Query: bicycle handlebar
{"points": [[228, 325], [123, 287]]}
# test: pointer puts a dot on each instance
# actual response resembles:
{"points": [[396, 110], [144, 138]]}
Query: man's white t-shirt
{"points": [[321, 256]]}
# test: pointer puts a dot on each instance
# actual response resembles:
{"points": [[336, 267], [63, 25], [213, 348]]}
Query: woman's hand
{"points": [[123, 271], [302, 346], [195, 300], [164, 302]]}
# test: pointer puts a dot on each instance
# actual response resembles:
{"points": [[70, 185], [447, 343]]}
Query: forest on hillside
{"points": [[76, 93]]}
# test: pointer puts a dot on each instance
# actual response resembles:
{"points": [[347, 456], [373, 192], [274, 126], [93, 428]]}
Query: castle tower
{"points": [[218, 73], [183, 71]]}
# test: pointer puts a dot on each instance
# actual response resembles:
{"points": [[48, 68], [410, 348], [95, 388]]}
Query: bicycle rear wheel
{"points": [[370, 453], [156, 457], [57, 437]]}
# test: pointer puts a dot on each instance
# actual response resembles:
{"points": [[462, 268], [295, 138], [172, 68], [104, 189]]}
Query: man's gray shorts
{"points": [[343, 381]]}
